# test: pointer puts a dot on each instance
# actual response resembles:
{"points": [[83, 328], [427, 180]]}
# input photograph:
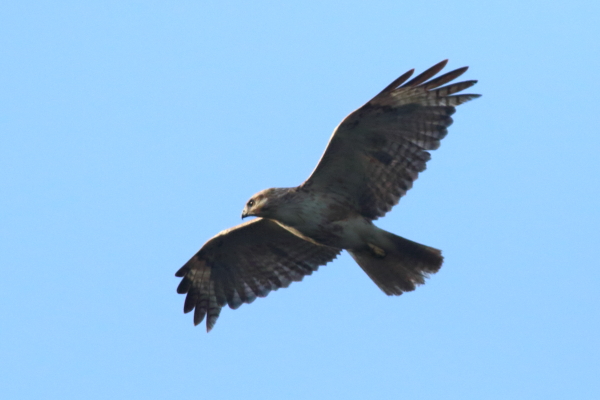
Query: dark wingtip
{"points": [[211, 317], [184, 286], [199, 315], [470, 96], [397, 82], [443, 79], [429, 73], [440, 66]]}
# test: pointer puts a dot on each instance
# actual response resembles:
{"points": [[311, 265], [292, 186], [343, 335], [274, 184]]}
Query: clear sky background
{"points": [[132, 132]]}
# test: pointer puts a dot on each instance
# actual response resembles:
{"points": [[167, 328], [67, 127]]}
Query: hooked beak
{"points": [[244, 214]]}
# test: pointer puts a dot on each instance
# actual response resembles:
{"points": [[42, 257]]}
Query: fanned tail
{"points": [[397, 265]]}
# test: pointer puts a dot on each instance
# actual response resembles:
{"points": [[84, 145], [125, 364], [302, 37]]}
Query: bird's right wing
{"points": [[243, 263], [377, 152]]}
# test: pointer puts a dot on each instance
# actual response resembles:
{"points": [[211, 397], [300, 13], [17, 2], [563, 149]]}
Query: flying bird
{"points": [[372, 159]]}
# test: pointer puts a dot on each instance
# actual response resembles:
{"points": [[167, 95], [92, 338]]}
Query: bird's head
{"points": [[263, 204]]}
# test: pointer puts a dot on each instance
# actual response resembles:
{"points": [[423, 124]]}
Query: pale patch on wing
{"points": [[378, 151], [243, 263]]}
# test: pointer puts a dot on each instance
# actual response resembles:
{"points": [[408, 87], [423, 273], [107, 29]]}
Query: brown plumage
{"points": [[372, 159]]}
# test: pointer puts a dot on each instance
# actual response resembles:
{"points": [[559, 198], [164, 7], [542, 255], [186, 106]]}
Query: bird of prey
{"points": [[372, 159]]}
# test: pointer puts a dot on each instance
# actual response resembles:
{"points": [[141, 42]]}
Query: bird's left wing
{"points": [[377, 151], [243, 263]]}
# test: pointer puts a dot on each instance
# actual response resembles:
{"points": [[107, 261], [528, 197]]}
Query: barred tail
{"points": [[397, 265]]}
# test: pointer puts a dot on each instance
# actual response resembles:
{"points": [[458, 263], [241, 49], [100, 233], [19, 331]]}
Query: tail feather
{"points": [[397, 265]]}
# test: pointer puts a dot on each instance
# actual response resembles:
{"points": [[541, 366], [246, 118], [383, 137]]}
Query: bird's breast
{"points": [[322, 219]]}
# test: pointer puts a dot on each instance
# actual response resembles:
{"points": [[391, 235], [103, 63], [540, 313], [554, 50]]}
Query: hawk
{"points": [[372, 159]]}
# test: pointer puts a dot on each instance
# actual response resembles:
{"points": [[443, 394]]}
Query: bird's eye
{"points": [[250, 203]]}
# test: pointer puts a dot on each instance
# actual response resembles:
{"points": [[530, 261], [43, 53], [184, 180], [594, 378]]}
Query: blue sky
{"points": [[131, 132]]}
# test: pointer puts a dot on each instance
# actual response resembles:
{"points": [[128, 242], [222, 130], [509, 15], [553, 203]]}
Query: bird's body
{"points": [[319, 217], [372, 159]]}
